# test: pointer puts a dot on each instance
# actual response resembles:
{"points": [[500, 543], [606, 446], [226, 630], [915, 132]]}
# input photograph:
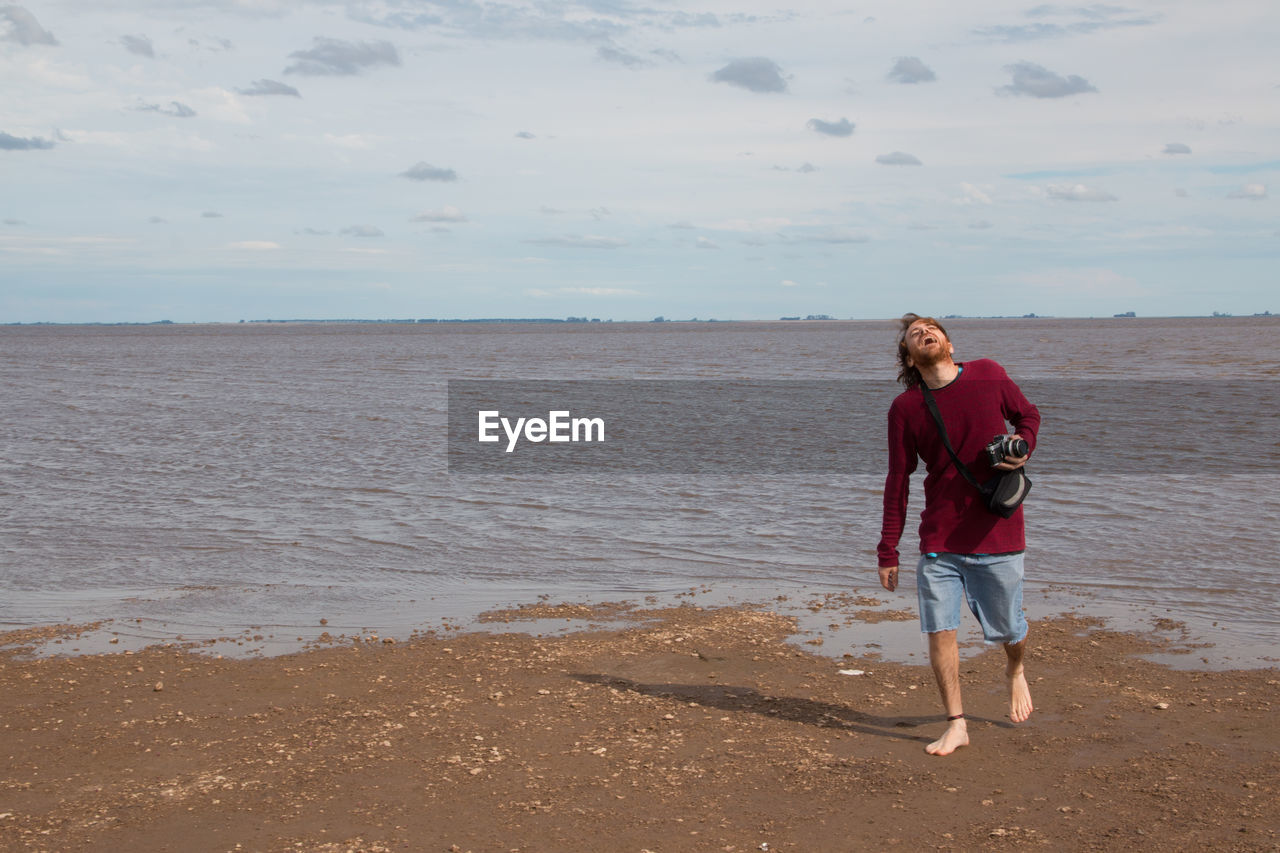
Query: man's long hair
{"points": [[908, 375]]}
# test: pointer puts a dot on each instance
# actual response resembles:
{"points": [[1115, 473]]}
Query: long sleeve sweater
{"points": [[975, 407]]}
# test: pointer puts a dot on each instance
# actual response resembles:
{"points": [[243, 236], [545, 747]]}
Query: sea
{"points": [[250, 487]]}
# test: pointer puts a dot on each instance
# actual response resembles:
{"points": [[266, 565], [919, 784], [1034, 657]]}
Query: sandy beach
{"points": [[685, 729]]}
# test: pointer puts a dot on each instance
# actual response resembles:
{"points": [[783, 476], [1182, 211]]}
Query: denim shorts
{"points": [[992, 584]]}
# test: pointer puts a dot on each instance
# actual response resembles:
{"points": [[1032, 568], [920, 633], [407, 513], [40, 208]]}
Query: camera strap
{"points": [[946, 442]]}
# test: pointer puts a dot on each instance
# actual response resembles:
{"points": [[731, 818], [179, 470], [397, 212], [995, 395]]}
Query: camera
{"points": [[1005, 446]]}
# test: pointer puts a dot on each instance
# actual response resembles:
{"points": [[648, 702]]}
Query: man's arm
{"points": [[897, 482], [1024, 416]]}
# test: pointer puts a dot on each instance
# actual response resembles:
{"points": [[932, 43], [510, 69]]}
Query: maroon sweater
{"points": [[975, 407]]}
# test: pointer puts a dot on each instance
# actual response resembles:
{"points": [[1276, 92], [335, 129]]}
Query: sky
{"points": [[219, 160]]}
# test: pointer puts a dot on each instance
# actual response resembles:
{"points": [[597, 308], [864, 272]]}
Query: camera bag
{"points": [[1004, 492]]}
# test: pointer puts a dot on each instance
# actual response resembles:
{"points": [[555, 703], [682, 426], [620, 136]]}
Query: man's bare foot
{"points": [[1020, 706], [956, 736]]}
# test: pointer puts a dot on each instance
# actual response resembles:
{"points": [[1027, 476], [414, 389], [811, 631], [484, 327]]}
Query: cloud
{"points": [[898, 158], [550, 211], [269, 87], [1039, 82], [786, 282], [599, 291], [973, 195], [1079, 192], [494, 20], [981, 224], [1082, 20], [704, 243], [909, 69], [361, 231], [211, 214], [19, 25], [444, 214], [843, 127], [173, 108], [840, 235], [426, 172], [14, 222], [140, 45], [315, 232], [605, 53], [1181, 193], [756, 73], [1088, 280], [806, 168], [157, 220], [1254, 192], [573, 241], [337, 57], [20, 143], [683, 225], [254, 245], [524, 134], [1177, 148]]}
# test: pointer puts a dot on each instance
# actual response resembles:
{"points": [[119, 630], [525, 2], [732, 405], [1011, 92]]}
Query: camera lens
{"points": [[1016, 447]]}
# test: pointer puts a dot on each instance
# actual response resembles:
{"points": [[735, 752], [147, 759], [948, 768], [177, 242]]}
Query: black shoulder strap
{"points": [[942, 431]]}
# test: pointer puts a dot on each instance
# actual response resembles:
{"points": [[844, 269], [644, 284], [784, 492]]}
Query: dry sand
{"points": [[688, 730]]}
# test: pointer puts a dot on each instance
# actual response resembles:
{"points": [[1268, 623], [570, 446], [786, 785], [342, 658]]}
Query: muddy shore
{"points": [[687, 729]]}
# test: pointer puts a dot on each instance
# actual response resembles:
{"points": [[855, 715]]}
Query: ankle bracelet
{"points": [[956, 717]]}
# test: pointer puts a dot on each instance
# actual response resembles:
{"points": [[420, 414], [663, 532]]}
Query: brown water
{"points": [[211, 479]]}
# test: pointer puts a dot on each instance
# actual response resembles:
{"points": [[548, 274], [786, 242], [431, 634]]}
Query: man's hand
{"points": [[889, 577], [1012, 463]]}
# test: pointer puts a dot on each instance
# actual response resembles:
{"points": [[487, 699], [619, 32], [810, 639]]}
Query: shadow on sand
{"points": [[807, 711]]}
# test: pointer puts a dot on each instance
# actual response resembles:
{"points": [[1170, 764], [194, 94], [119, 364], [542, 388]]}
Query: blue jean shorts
{"points": [[991, 583]]}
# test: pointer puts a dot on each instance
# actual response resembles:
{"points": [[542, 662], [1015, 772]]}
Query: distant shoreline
{"points": [[577, 321]]}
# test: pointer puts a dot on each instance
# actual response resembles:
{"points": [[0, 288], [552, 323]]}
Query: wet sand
{"points": [[686, 729]]}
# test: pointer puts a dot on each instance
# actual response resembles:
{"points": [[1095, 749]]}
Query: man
{"points": [[966, 550]]}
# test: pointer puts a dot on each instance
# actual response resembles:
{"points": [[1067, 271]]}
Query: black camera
{"points": [[1005, 446]]}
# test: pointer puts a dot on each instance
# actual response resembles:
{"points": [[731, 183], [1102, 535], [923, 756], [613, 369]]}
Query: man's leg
{"points": [[1020, 706], [993, 583], [944, 657]]}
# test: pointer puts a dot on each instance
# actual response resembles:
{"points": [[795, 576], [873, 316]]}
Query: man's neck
{"points": [[937, 375]]}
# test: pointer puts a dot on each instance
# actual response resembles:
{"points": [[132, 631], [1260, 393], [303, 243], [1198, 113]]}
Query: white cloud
{"points": [[254, 245], [840, 235], [973, 195], [599, 291], [444, 214], [704, 243], [589, 241], [898, 158], [357, 141], [1093, 281], [361, 231], [1253, 192], [1177, 148], [1079, 192]]}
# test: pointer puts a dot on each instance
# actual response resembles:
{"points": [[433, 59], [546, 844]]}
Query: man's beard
{"points": [[931, 357]]}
